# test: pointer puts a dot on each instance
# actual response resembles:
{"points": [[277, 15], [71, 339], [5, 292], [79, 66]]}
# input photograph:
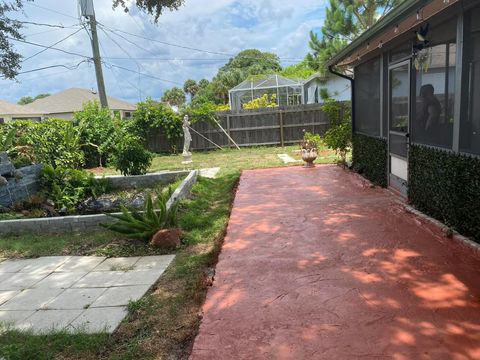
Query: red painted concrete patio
{"points": [[318, 265]]}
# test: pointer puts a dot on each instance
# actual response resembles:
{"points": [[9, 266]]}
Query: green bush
{"points": [[16, 141], [446, 186], [338, 137], [57, 143], [151, 115], [130, 156], [370, 156], [143, 225], [96, 128], [311, 141], [68, 187]]}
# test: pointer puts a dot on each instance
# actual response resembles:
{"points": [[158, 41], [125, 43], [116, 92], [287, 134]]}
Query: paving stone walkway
{"points": [[76, 293], [210, 173], [287, 159]]}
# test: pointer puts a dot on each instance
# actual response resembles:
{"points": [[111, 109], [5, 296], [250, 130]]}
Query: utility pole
{"points": [[88, 11]]}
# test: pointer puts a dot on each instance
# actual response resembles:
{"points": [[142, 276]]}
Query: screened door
{"points": [[399, 118]]}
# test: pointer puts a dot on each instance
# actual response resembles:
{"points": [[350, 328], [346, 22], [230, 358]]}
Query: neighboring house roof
{"points": [[7, 108], [72, 100]]}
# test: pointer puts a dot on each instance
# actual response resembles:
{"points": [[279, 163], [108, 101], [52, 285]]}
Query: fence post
{"points": [[282, 139], [228, 131]]}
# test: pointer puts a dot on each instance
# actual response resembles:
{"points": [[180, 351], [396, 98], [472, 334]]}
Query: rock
{"points": [[18, 174], [50, 203], [3, 181], [138, 201], [63, 211], [166, 239]]}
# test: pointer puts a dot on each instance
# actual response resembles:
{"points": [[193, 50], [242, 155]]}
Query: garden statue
{"points": [[187, 155]]}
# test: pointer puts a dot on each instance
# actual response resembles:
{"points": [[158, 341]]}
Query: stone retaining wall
{"points": [[84, 223], [23, 183], [148, 180]]}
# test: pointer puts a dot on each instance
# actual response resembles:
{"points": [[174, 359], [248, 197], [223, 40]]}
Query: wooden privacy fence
{"points": [[275, 126]]}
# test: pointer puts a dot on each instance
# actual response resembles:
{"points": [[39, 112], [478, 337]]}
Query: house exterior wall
{"points": [[443, 180], [338, 88]]}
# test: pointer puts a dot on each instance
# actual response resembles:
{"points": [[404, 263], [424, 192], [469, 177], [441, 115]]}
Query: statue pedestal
{"points": [[187, 159]]}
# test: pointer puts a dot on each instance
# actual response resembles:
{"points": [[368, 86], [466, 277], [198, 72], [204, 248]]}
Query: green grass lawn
{"points": [[234, 160], [164, 323]]}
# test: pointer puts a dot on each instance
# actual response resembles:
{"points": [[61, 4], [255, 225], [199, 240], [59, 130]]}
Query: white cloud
{"points": [[225, 26]]}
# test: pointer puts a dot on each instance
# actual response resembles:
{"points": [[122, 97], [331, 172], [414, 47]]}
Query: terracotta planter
{"points": [[309, 156]]}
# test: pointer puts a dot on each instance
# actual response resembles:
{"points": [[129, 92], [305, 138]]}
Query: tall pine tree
{"points": [[345, 20]]}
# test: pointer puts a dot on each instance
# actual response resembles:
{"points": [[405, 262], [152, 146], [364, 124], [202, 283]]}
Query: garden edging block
{"points": [[82, 223]]}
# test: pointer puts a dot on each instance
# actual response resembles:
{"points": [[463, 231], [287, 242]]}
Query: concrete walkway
{"points": [[75, 293], [317, 265]]}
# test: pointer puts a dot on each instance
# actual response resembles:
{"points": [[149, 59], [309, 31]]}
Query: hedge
{"points": [[446, 186], [370, 156]]}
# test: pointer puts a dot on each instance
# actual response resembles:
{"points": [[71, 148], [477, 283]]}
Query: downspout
{"points": [[352, 85]]}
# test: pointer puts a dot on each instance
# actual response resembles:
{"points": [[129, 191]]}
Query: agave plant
{"points": [[143, 225]]}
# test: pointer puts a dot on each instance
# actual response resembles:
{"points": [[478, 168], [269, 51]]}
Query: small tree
{"points": [[191, 87], [97, 133], [174, 97], [152, 115], [339, 136]]}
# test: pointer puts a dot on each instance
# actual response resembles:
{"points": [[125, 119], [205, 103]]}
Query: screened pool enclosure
{"points": [[285, 92]]}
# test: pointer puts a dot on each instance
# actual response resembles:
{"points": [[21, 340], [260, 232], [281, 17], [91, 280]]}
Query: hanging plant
{"points": [[423, 59]]}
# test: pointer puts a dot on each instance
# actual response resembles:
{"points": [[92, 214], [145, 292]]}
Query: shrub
{"points": [[151, 115], [143, 225], [16, 141], [96, 128], [57, 143], [130, 156], [369, 157], [262, 102], [68, 187], [311, 141], [339, 136], [446, 186]]}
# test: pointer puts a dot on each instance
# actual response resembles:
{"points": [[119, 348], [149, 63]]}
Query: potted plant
{"points": [[309, 148]]}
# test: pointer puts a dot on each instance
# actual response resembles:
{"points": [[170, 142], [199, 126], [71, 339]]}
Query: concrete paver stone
{"points": [[60, 280], [117, 264], [44, 321], [11, 318], [72, 299], [44, 264], [7, 295], [31, 299], [96, 320], [120, 296], [153, 262], [80, 263], [20, 281], [13, 266]]}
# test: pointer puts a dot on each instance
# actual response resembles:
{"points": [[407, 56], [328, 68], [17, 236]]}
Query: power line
{"points": [[74, 67], [51, 10], [59, 26], [51, 46], [183, 46], [139, 66], [48, 47], [145, 75]]}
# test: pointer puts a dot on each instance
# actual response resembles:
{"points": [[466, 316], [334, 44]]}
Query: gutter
{"points": [[352, 87]]}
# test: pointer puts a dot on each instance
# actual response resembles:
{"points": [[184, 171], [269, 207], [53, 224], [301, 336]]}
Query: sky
{"points": [[206, 33]]}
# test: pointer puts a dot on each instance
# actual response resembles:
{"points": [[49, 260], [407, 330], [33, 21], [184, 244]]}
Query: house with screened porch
{"points": [[416, 106]]}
